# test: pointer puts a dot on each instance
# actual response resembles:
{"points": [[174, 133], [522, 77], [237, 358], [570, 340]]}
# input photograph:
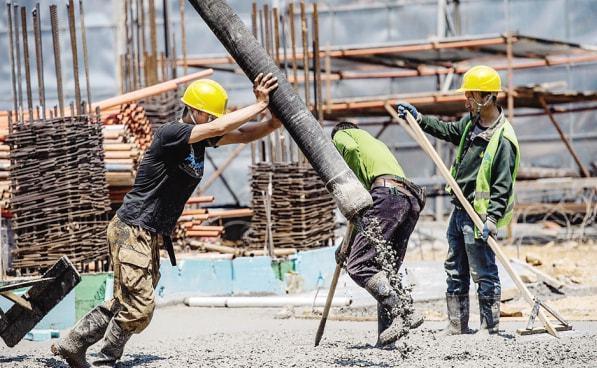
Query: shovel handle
{"points": [[332, 291]]}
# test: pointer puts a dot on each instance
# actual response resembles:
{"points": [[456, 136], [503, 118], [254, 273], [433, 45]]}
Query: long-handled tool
{"points": [[332, 291], [413, 129]]}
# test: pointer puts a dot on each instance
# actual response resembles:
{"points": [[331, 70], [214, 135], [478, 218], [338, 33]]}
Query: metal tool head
{"points": [[42, 297]]}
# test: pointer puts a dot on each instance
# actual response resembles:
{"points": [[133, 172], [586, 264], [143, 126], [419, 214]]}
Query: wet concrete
{"points": [[202, 337]]}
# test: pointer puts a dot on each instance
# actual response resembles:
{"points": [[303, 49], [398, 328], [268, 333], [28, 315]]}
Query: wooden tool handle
{"points": [[332, 291]]}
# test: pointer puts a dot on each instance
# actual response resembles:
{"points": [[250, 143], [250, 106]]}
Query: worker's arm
{"points": [[501, 179], [447, 131], [450, 132], [250, 132], [227, 123]]}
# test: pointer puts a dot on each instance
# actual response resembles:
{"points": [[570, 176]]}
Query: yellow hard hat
{"points": [[481, 78], [206, 95]]}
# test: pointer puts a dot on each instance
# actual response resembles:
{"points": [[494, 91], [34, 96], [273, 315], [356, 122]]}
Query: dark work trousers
{"points": [[468, 257], [397, 214]]}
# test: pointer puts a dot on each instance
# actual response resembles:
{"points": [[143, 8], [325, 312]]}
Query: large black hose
{"points": [[350, 195]]}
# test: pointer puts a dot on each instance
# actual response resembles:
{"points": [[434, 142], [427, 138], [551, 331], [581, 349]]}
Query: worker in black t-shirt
{"points": [[169, 173]]}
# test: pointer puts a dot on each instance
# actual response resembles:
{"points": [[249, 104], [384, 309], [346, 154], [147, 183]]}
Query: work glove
{"points": [[403, 107], [489, 228]]}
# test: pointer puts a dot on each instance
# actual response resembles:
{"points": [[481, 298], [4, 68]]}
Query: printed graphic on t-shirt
{"points": [[191, 166]]}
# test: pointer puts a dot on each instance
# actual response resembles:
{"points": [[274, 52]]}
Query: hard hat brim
{"points": [[216, 114]]}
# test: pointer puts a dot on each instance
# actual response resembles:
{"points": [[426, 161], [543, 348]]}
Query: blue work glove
{"points": [[403, 107], [489, 228]]}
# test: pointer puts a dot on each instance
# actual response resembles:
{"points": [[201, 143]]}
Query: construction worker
{"points": [[170, 171], [485, 168], [396, 205]]}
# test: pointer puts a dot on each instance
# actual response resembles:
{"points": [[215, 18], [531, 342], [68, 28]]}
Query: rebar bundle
{"points": [[162, 108], [59, 192], [291, 207]]}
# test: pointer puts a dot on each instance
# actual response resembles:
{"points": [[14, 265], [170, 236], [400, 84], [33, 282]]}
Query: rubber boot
{"points": [[458, 314], [379, 287], [489, 310], [384, 321], [89, 330], [112, 346]]}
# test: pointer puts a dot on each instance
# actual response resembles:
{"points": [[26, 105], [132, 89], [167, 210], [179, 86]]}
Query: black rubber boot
{"points": [[379, 287], [458, 314], [89, 330], [112, 346], [489, 310], [384, 321]]}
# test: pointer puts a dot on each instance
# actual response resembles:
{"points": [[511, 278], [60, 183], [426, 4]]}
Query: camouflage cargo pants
{"points": [[136, 259]]}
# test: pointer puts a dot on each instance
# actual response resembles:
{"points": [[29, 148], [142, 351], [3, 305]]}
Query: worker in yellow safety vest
{"points": [[485, 168]]}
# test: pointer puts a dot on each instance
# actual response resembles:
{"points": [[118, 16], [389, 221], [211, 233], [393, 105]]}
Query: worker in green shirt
{"points": [[396, 205], [485, 168]]}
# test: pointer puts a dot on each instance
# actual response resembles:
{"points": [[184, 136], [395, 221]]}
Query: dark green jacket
{"points": [[502, 169]]}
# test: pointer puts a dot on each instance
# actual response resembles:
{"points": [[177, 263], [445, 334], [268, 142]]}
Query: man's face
{"points": [[473, 98], [200, 117]]}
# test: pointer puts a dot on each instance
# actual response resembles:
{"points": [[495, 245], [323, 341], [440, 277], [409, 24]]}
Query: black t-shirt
{"points": [[168, 175]]}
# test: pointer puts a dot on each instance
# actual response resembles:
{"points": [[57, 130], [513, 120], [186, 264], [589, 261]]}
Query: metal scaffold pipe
{"points": [[350, 195]]}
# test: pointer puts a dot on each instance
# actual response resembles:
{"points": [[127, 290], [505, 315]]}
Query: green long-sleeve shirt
{"points": [[366, 156], [502, 168]]}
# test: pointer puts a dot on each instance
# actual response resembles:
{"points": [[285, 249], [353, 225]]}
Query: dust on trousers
{"points": [[398, 214], [136, 259]]}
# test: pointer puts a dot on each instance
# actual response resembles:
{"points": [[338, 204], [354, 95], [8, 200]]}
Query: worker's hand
{"points": [[263, 86], [340, 256], [403, 107], [489, 228]]}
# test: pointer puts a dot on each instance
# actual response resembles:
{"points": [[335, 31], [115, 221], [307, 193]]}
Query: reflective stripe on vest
{"points": [[483, 181]]}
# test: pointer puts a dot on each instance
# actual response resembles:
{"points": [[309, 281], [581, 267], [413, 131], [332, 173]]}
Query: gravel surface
{"points": [[198, 337]]}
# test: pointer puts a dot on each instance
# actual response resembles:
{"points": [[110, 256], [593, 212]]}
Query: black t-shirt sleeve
{"points": [[175, 135]]}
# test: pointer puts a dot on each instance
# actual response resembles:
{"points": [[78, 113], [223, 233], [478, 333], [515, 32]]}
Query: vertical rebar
{"points": [[143, 49], [166, 28], [293, 44], [266, 19], [57, 62], [305, 38], [39, 60], [276, 35], [317, 66], [254, 29], [26, 63], [153, 71], [85, 55], [11, 45], [18, 63], [183, 36], [73, 45], [133, 54]]}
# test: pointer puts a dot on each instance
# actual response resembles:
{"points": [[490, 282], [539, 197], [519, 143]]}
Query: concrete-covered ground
{"points": [[201, 337]]}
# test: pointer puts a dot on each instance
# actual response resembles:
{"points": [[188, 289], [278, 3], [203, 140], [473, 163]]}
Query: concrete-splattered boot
{"points": [[112, 346], [458, 314], [379, 287], [89, 330], [489, 310], [415, 319], [384, 321]]}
